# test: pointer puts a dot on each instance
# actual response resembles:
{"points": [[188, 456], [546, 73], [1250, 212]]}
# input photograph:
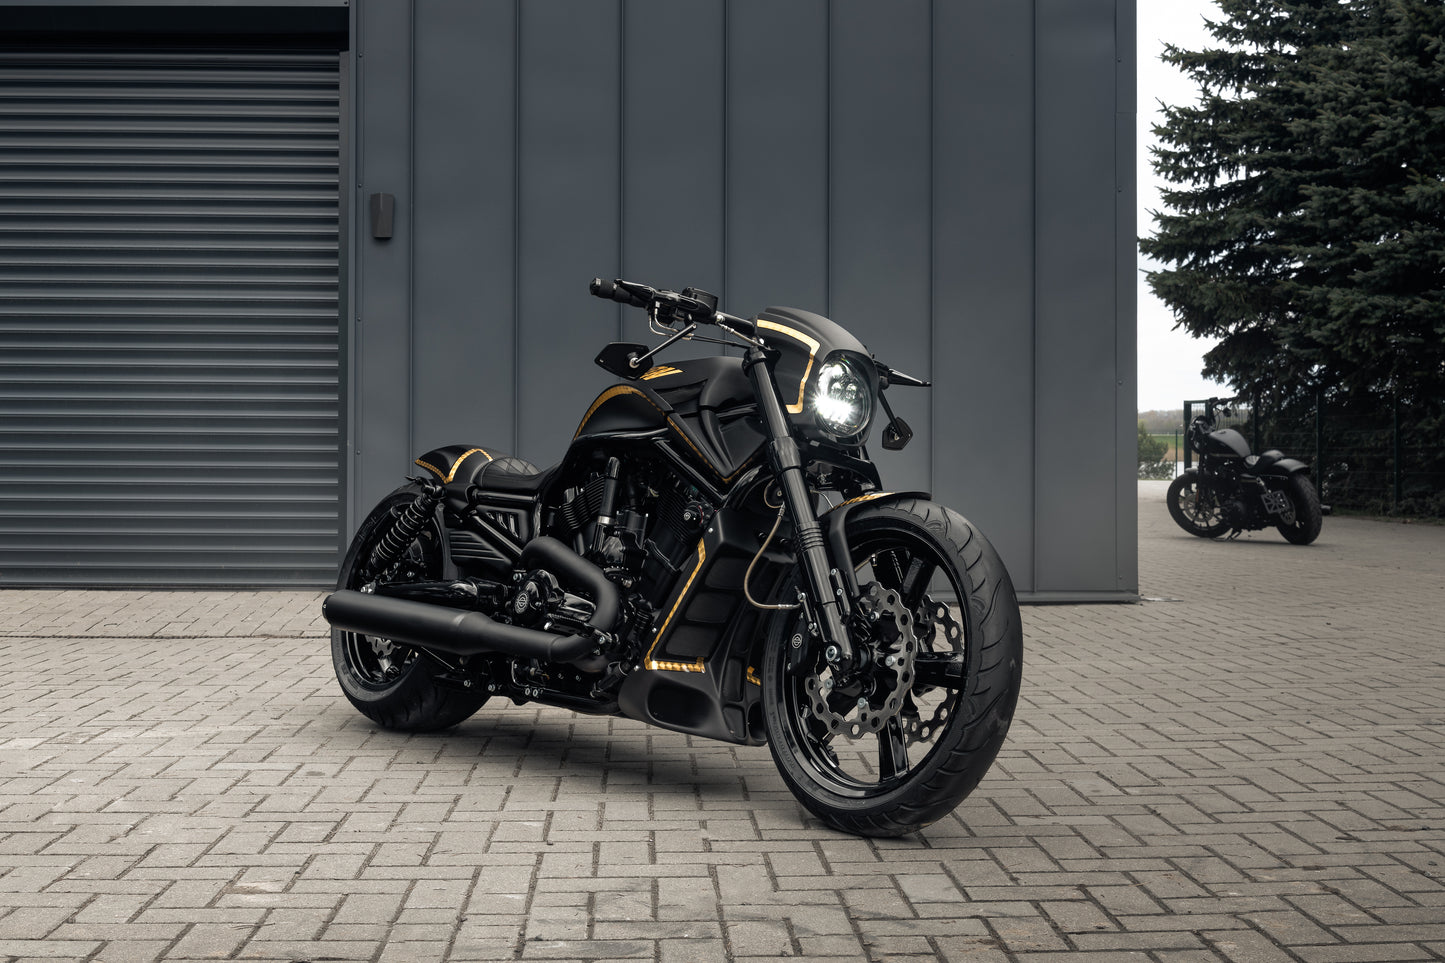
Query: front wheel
{"points": [[1301, 523], [1196, 508], [898, 742], [394, 685]]}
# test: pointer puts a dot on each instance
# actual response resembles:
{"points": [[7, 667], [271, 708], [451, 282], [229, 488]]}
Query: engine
{"points": [[539, 602], [640, 527]]}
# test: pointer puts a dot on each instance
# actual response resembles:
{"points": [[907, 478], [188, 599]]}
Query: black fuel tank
{"points": [[706, 403], [714, 411], [624, 408], [1226, 443]]}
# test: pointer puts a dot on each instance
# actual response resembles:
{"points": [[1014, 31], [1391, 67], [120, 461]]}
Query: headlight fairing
{"points": [[842, 400]]}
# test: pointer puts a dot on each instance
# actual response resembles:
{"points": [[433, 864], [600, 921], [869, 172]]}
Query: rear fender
{"points": [[1284, 468], [449, 464]]}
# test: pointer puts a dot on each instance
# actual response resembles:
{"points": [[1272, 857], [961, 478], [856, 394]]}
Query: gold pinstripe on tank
{"points": [[616, 391]]}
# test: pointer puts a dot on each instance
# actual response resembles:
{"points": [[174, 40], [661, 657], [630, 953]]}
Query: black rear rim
{"points": [[885, 722]]}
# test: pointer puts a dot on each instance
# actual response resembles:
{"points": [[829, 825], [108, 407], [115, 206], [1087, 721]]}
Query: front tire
{"points": [[901, 745], [394, 685], [1305, 519], [1196, 508]]}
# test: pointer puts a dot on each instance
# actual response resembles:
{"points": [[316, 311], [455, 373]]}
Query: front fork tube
{"points": [[827, 603]]}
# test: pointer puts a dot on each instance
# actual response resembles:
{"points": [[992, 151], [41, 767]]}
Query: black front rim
{"points": [[842, 752], [1200, 506]]}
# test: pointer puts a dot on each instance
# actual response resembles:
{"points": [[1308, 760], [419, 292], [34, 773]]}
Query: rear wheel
{"points": [[897, 744], [1302, 522], [394, 685], [1196, 508]]}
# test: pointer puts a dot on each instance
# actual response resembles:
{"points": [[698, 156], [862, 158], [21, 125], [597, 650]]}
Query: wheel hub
{"points": [[876, 692]]}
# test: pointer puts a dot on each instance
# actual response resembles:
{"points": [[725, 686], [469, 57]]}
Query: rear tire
{"points": [[395, 685], [1304, 526], [934, 701], [1195, 508]]}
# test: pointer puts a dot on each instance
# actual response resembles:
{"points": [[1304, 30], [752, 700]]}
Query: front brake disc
{"points": [[890, 670], [941, 622]]}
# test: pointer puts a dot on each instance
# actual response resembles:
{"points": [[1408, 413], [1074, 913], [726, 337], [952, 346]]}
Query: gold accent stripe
{"points": [[677, 666], [861, 498], [677, 427], [619, 390], [606, 396], [661, 372], [813, 346], [650, 662], [447, 476]]}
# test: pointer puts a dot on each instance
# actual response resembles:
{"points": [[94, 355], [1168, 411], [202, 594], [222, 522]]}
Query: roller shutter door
{"points": [[168, 318]]}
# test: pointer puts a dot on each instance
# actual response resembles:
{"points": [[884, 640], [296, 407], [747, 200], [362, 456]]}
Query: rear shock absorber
{"points": [[406, 526]]}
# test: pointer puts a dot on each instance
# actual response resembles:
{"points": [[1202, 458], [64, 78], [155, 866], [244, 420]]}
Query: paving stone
{"points": [[1251, 773]]}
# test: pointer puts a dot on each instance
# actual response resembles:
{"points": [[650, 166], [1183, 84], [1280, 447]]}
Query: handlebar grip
{"points": [[613, 291], [608, 290]]}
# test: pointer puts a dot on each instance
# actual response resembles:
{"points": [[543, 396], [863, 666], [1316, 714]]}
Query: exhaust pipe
{"points": [[459, 632]]}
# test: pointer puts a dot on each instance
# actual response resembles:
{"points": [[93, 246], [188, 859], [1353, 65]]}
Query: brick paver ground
{"points": [[1249, 767]]}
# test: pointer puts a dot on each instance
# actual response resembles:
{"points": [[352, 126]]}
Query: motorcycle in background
{"points": [[1234, 491]]}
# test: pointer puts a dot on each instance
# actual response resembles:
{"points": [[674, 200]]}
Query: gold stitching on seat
{"points": [[447, 476]]}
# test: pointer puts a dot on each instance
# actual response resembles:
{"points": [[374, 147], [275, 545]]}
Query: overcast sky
{"points": [[1169, 360]]}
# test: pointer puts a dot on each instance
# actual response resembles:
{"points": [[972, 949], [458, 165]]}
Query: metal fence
{"points": [[1393, 464]]}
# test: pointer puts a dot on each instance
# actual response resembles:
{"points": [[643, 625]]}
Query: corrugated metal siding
{"points": [[168, 318], [948, 180]]}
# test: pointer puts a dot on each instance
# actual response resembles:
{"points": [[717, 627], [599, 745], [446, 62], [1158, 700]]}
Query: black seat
{"points": [[511, 475], [460, 467], [1264, 459]]}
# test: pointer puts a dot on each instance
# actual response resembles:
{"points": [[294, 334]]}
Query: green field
{"points": [[1169, 439]]}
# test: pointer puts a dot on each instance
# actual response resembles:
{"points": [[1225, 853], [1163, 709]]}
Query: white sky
{"points": [[1169, 360]]}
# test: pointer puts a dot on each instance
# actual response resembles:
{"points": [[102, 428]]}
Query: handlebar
{"points": [[1208, 420], [690, 307]]}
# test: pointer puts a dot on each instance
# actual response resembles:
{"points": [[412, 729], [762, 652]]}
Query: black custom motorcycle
{"points": [[1234, 491], [713, 555]]}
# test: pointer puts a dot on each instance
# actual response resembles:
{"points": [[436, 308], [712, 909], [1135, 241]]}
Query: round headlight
{"points": [[843, 403]]}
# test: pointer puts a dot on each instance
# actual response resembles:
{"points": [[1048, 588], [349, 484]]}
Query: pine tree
{"points": [[1306, 224]]}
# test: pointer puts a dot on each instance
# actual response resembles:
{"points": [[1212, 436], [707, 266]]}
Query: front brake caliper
{"points": [[875, 693]]}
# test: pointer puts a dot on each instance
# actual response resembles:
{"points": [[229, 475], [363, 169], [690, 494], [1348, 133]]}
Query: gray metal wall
{"points": [[953, 180]]}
